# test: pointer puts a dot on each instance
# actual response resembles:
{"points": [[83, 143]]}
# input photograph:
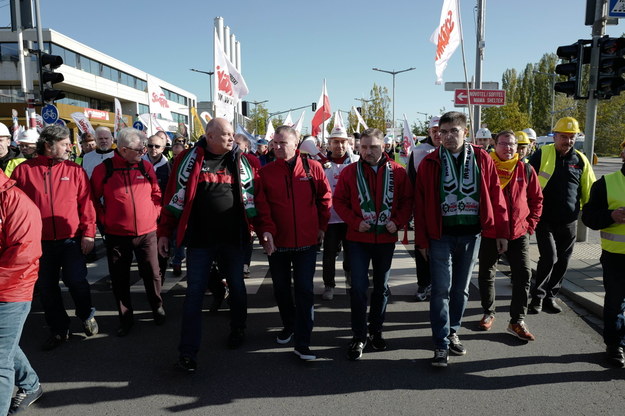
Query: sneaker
{"points": [[90, 326], [246, 271], [423, 293], [615, 356], [22, 400], [441, 357], [551, 305], [486, 323], [304, 353], [354, 351], [159, 316], [236, 338], [54, 341], [455, 346], [377, 342], [284, 336], [535, 307], [177, 270], [187, 364], [328, 293], [520, 331]]}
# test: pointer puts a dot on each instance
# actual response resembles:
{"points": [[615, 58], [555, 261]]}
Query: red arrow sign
{"points": [[487, 98]]}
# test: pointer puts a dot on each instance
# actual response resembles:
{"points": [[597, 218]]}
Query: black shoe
{"points": [[54, 341], [441, 358], [159, 316], [377, 342], [126, 324], [236, 338], [535, 307], [615, 357], [177, 270], [22, 400], [354, 351], [284, 336], [304, 353], [187, 364], [551, 305], [455, 347]]}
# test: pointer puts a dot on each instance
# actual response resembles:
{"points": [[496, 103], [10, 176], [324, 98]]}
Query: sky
{"points": [[289, 47]]}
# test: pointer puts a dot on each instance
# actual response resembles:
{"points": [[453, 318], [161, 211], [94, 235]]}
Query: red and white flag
{"points": [[408, 142], [82, 122], [446, 37], [119, 119], [157, 100], [230, 86], [323, 112], [270, 131]]}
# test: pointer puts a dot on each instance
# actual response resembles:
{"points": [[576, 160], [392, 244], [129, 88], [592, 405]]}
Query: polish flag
{"points": [[323, 112]]}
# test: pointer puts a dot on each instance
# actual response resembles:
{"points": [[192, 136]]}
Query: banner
{"points": [[446, 37], [323, 112], [156, 99], [119, 119], [151, 123], [83, 123], [230, 86]]}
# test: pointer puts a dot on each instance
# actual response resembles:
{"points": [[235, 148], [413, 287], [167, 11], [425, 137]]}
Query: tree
{"points": [[376, 112], [507, 117], [258, 119]]}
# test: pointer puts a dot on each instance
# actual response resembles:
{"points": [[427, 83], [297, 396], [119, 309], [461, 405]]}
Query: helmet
{"points": [[483, 133], [522, 137], [567, 125], [4, 131], [530, 133]]}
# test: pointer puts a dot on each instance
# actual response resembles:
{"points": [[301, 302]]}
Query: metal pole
{"points": [[394, 105], [553, 98], [479, 57], [20, 47], [39, 29]]}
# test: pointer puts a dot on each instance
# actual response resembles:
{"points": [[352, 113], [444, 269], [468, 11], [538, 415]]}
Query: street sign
{"points": [[138, 125], [616, 8], [485, 98], [61, 122], [49, 114], [486, 85]]}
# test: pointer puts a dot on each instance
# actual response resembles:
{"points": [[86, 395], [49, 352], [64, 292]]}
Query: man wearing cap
{"points": [[605, 211], [87, 145], [27, 142], [389, 147], [565, 176], [427, 146], [104, 150], [531, 134], [338, 159], [7, 152], [523, 145], [482, 138]]}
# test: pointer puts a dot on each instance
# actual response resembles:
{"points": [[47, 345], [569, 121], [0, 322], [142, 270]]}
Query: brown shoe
{"points": [[486, 323], [520, 331]]}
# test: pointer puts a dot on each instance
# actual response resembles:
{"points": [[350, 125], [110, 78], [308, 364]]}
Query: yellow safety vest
{"points": [[613, 237], [548, 165]]}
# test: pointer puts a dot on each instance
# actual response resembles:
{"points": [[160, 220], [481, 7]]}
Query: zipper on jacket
{"points": [[289, 187], [49, 174], [132, 198]]}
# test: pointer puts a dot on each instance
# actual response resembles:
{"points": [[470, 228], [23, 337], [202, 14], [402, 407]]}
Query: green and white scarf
{"points": [[460, 190], [246, 176], [367, 204]]}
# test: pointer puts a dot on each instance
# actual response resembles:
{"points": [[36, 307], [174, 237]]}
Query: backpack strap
{"points": [[108, 164], [311, 179]]}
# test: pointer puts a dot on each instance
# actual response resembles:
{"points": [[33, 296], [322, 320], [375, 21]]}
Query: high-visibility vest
{"points": [[548, 166], [613, 237]]}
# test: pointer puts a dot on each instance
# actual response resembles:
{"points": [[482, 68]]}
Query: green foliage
{"points": [[507, 117], [376, 112], [258, 119]]}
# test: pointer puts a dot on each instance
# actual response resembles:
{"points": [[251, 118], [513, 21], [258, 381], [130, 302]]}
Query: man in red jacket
{"points": [[524, 200], [60, 188], [374, 198], [457, 198], [128, 187], [20, 249], [299, 199]]}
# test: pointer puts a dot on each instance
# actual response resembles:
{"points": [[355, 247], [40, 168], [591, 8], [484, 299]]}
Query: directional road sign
{"points": [[485, 98], [486, 85], [616, 8], [139, 126]]}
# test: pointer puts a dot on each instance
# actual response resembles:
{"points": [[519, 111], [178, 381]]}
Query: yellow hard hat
{"points": [[567, 125], [521, 137]]}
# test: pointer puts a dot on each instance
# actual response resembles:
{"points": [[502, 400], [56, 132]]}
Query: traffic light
{"points": [[47, 77], [244, 108], [314, 107], [577, 55], [610, 81]]}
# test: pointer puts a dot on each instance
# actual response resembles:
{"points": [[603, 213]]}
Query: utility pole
{"points": [[393, 73], [479, 57]]}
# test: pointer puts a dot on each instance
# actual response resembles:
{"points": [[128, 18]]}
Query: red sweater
{"points": [[20, 243], [427, 200], [347, 205], [132, 202], [63, 195]]}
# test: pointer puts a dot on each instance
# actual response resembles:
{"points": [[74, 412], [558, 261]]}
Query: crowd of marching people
{"points": [[162, 201]]}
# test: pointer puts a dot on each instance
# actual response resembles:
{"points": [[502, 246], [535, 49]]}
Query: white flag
{"points": [[83, 123], [288, 121], [151, 123], [300, 122], [229, 80], [408, 142], [338, 121], [270, 131], [157, 101], [360, 119], [119, 120], [446, 37]]}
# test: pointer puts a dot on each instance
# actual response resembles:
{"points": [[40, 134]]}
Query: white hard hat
{"points": [[483, 133], [4, 131], [530, 133], [434, 121], [338, 133], [29, 136], [388, 140]]}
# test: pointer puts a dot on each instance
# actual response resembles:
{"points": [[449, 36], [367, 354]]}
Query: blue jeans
{"points": [[229, 259], [296, 315], [381, 257], [451, 263], [15, 370], [65, 257]]}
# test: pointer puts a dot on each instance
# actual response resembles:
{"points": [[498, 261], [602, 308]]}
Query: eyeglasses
{"points": [[502, 144], [154, 146], [141, 150], [453, 131]]}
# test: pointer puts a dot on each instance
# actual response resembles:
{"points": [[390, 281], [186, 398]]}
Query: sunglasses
{"points": [[154, 146]]}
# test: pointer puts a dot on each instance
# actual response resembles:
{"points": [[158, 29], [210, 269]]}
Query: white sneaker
{"points": [[328, 293]]}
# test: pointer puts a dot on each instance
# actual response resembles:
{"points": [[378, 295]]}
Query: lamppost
{"points": [[256, 115], [553, 92], [210, 75], [393, 73]]}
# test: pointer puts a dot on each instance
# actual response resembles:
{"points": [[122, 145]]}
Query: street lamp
{"points": [[393, 73], [210, 75], [553, 92]]}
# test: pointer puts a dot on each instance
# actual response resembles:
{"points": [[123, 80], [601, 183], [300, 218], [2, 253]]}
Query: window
{"points": [[105, 71], [70, 58], [9, 51], [143, 109]]}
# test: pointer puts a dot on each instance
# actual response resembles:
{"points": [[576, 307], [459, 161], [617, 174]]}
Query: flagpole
{"points": [[464, 65]]}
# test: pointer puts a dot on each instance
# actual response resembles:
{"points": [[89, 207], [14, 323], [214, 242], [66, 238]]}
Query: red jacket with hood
{"points": [[524, 200], [427, 200], [62, 192], [132, 202], [347, 204], [20, 243]]}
